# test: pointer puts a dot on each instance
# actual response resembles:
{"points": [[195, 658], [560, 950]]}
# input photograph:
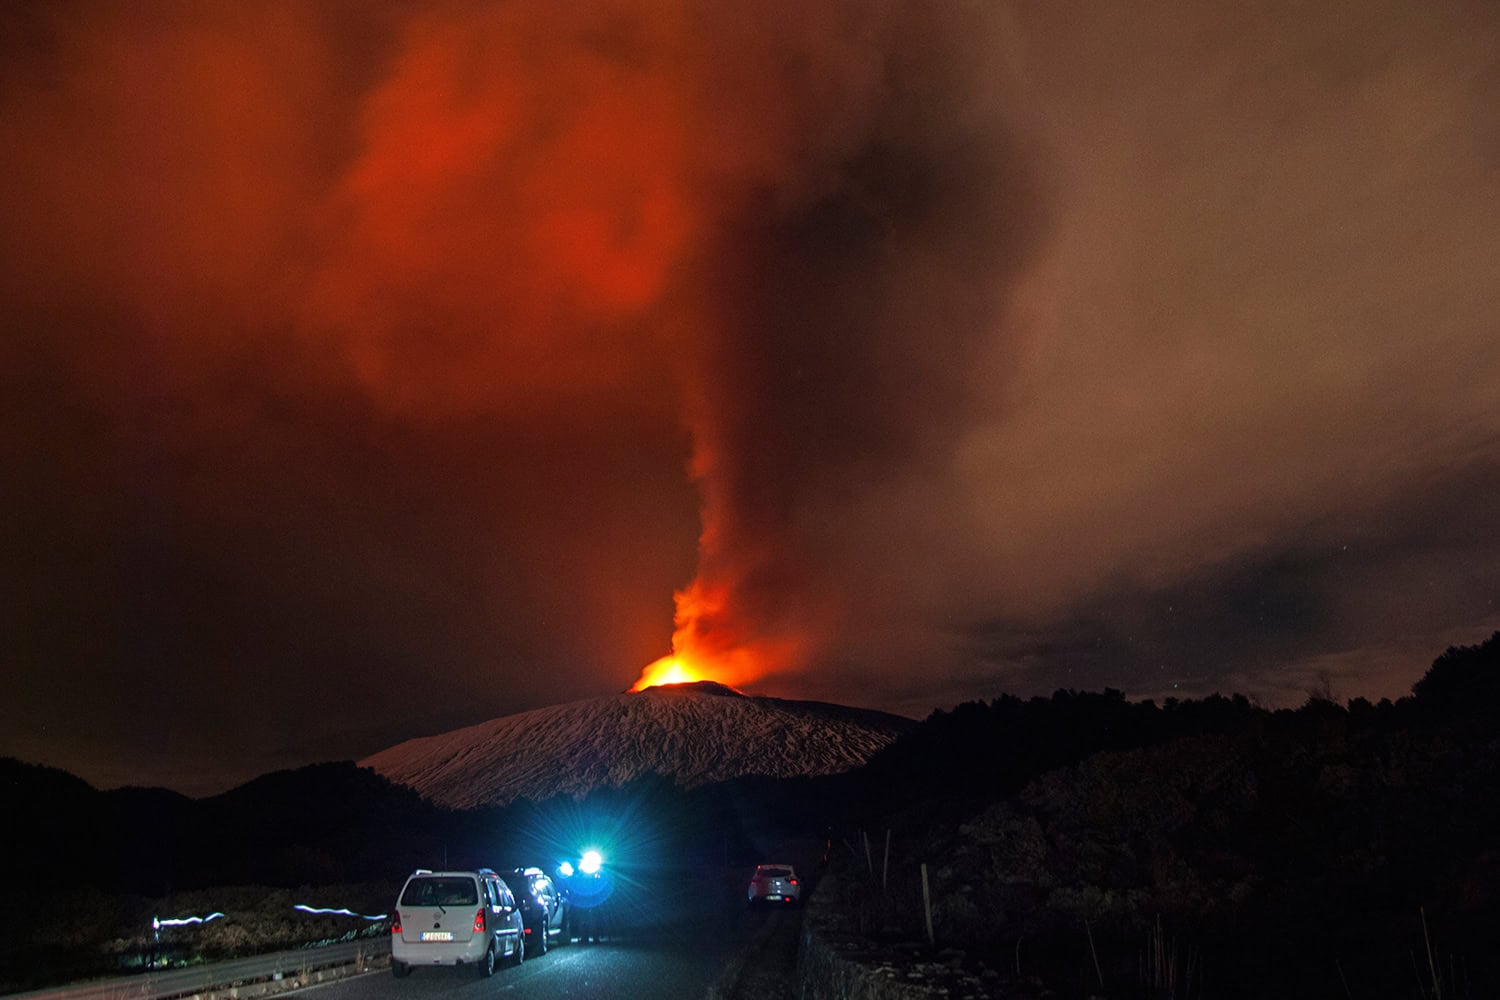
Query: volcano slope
{"points": [[696, 734]]}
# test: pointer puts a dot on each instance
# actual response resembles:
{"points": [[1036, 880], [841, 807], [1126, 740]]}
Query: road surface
{"points": [[744, 954], [672, 935], [707, 939]]}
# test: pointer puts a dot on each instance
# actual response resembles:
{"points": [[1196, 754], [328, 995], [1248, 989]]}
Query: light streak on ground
{"points": [[340, 912], [157, 922]]}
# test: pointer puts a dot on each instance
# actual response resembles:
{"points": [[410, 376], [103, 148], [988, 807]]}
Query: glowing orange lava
{"points": [[708, 645], [669, 670], [694, 656]]}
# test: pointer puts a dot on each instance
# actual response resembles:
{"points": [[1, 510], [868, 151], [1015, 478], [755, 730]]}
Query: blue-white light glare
{"points": [[590, 863], [565, 870]]}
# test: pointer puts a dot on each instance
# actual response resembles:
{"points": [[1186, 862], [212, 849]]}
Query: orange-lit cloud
{"points": [[519, 204]]}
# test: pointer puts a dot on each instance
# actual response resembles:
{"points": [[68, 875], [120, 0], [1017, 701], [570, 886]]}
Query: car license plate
{"points": [[773, 896], [437, 935]]}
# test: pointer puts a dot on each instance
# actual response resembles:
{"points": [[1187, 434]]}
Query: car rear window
{"points": [[440, 891], [773, 872]]}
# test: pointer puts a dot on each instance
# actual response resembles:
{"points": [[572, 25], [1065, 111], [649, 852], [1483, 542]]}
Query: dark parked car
{"points": [[546, 909]]}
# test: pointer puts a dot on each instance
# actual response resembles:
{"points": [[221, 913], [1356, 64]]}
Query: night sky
{"points": [[371, 371]]}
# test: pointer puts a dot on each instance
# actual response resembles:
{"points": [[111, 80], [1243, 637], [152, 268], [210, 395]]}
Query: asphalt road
{"points": [[667, 935], [680, 963], [705, 938], [623, 970]]}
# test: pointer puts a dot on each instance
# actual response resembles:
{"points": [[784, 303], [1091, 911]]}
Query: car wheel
{"points": [[400, 969], [519, 955], [541, 937], [487, 963]]}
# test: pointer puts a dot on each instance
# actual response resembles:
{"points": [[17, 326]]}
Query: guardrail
{"points": [[272, 970]]}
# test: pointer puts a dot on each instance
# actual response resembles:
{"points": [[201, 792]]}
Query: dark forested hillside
{"points": [[323, 823], [1207, 848]]}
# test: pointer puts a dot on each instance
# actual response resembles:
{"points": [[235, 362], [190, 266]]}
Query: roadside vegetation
{"points": [[83, 933]]}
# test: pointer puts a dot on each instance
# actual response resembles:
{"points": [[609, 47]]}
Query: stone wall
{"points": [[835, 963]]}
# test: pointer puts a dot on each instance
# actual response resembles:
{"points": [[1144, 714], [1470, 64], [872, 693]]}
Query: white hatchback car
{"points": [[456, 918], [775, 884]]}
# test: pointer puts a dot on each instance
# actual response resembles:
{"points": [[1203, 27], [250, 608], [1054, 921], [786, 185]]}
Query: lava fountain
{"points": [[708, 645]]}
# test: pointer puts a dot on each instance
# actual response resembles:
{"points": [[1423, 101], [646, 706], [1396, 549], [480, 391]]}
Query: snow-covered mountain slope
{"points": [[694, 733]]}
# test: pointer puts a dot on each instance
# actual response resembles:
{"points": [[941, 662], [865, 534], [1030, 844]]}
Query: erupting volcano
{"points": [[692, 658], [707, 647], [669, 670]]}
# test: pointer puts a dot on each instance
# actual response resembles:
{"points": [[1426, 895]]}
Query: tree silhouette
{"points": [[1463, 675]]}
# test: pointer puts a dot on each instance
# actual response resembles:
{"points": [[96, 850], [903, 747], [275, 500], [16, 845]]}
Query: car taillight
{"points": [[396, 925], [791, 881], [479, 922]]}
